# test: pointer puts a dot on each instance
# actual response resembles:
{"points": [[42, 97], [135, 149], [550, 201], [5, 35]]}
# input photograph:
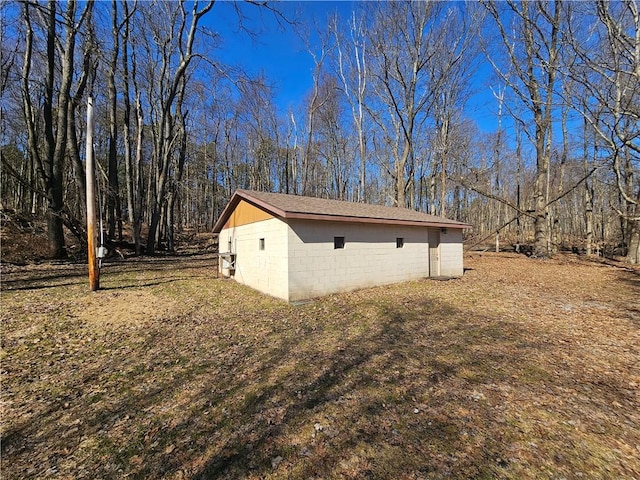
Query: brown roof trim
{"points": [[291, 214], [226, 213], [388, 221]]}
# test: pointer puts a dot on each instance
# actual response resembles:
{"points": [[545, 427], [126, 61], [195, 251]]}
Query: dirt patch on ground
{"points": [[523, 368], [131, 309], [22, 238]]}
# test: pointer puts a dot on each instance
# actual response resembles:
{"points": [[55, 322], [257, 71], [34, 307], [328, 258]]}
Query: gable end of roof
{"points": [[309, 208]]}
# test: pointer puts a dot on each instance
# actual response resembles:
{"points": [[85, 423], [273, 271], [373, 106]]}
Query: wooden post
{"points": [[94, 272]]}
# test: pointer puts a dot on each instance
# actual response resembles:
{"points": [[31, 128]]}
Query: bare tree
{"points": [[452, 71], [332, 141], [532, 46], [60, 57], [176, 40], [403, 36], [607, 66], [260, 129], [126, 127], [114, 207], [315, 101], [415, 50], [352, 68]]}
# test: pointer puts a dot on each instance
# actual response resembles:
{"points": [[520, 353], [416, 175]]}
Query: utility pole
{"points": [[94, 272]]}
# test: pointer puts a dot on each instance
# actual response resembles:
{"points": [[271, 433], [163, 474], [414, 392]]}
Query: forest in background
{"points": [[386, 120]]}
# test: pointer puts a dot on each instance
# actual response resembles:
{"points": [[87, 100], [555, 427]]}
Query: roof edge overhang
{"points": [[233, 203], [387, 221], [243, 195]]}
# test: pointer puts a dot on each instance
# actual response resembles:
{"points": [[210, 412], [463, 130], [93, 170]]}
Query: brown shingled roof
{"points": [[300, 207]]}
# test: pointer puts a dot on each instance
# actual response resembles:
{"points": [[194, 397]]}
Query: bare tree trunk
{"points": [[128, 159], [51, 167], [555, 224], [87, 77], [633, 252], [519, 229], [179, 169], [113, 191], [55, 154], [444, 138], [588, 194], [432, 191], [74, 154], [171, 202], [138, 177], [33, 152]]}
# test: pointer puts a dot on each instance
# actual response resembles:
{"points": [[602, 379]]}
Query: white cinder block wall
{"points": [[369, 257], [451, 253], [264, 270], [299, 260]]}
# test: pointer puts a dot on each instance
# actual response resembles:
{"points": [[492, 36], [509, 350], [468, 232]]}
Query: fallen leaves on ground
{"points": [[523, 368]]}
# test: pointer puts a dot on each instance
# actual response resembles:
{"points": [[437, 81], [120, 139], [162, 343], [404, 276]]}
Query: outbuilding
{"points": [[296, 248]]}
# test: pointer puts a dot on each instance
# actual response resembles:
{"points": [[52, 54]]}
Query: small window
{"points": [[338, 242], [399, 242], [261, 244]]}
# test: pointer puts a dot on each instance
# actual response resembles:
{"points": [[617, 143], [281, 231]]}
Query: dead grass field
{"points": [[521, 369]]}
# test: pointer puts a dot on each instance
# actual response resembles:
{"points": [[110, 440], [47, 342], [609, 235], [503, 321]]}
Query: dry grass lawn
{"points": [[521, 369]]}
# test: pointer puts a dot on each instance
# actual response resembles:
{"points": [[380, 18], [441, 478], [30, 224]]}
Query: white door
{"points": [[434, 253]]}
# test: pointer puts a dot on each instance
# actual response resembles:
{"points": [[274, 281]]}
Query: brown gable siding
{"points": [[245, 213]]}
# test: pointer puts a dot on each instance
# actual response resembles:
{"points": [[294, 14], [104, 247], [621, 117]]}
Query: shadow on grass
{"points": [[54, 276], [391, 398], [382, 386], [19, 285], [125, 285], [631, 278], [41, 279], [227, 405]]}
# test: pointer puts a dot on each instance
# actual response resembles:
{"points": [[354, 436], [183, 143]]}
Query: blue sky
{"points": [[281, 53], [277, 50]]}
